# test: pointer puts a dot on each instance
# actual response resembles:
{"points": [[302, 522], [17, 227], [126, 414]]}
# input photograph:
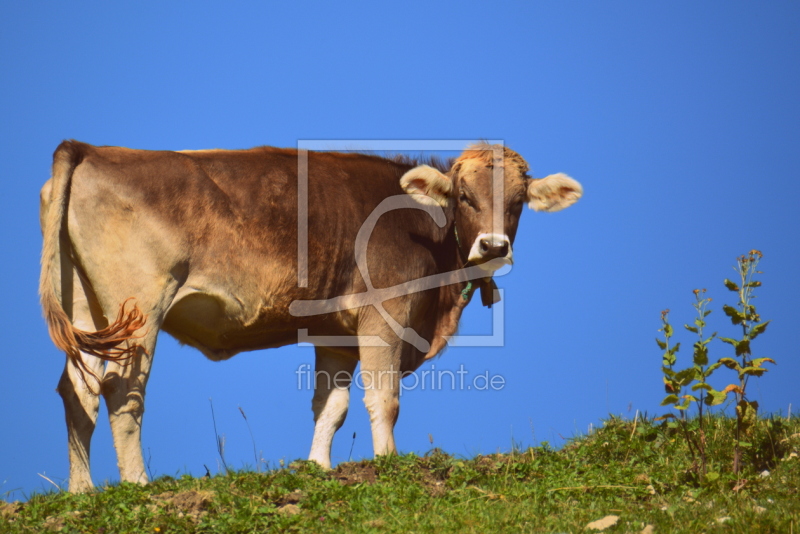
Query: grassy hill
{"points": [[627, 476]]}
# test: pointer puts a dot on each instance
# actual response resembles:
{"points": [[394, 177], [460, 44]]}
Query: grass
{"points": [[637, 470]]}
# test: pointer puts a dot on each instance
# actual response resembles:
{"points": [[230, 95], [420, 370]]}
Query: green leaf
{"points": [[728, 340], [686, 376], [669, 399], [668, 373], [701, 385], [668, 330], [705, 313], [685, 404], [700, 354], [661, 344], [665, 417], [711, 477], [758, 329], [759, 361], [736, 316], [730, 363], [700, 323], [743, 347], [715, 397], [730, 285], [711, 368], [690, 328], [754, 283], [752, 371]]}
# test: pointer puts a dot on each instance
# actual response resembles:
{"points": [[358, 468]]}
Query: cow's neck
{"points": [[453, 298]]}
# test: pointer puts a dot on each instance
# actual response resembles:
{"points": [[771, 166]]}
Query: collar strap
{"points": [[466, 291]]}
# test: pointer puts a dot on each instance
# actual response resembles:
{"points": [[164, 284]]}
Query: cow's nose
{"points": [[493, 247]]}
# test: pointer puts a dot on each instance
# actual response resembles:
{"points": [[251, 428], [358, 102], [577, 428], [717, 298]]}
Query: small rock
{"points": [[604, 523], [764, 473], [648, 529], [759, 509], [722, 520]]}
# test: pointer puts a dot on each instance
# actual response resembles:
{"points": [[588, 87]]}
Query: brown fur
{"points": [[484, 153]]}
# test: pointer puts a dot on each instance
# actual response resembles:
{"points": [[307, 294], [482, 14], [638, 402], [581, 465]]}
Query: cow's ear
{"points": [[553, 193], [428, 185]]}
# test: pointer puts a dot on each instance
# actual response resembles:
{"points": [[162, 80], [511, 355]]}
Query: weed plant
{"points": [[691, 385]]}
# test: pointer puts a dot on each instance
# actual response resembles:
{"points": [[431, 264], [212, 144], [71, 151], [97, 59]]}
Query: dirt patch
{"points": [[288, 503], [9, 510], [289, 509], [433, 473], [59, 522], [187, 503], [355, 473], [290, 498]]}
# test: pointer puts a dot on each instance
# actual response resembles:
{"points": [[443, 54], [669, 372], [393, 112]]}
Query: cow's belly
{"points": [[221, 325]]}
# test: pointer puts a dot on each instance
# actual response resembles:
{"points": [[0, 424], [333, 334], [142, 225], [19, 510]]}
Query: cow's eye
{"points": [[465, 199]]}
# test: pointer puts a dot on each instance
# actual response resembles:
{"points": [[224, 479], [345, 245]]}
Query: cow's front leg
{"points": [[380, 372], [333, 376], [124, 391]]}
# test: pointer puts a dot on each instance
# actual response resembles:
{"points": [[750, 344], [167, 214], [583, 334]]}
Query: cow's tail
{"points": [[107, 343]]}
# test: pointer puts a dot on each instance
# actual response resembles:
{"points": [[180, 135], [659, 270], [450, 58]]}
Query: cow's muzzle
{"points": [[489, 247], [493, 247]]}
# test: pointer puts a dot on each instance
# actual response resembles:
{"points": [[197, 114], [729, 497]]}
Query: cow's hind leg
{"points": [[333, 376], [81, 403], [123, 388]]}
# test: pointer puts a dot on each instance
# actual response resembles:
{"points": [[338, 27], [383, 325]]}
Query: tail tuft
{"points": [[108, 344]]}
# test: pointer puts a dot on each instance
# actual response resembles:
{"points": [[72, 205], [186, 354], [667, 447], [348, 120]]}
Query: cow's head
{"points": [[486, 188]]}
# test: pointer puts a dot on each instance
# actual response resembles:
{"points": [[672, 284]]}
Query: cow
{"points": [[373, 258]]}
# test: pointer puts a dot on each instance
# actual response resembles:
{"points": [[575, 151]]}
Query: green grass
{"points": [[639, 471]]}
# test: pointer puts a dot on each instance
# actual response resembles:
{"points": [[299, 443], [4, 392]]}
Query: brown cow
{"points": [[230, 251]]}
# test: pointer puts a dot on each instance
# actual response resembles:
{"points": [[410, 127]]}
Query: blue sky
{"points": [[681, 120]]}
